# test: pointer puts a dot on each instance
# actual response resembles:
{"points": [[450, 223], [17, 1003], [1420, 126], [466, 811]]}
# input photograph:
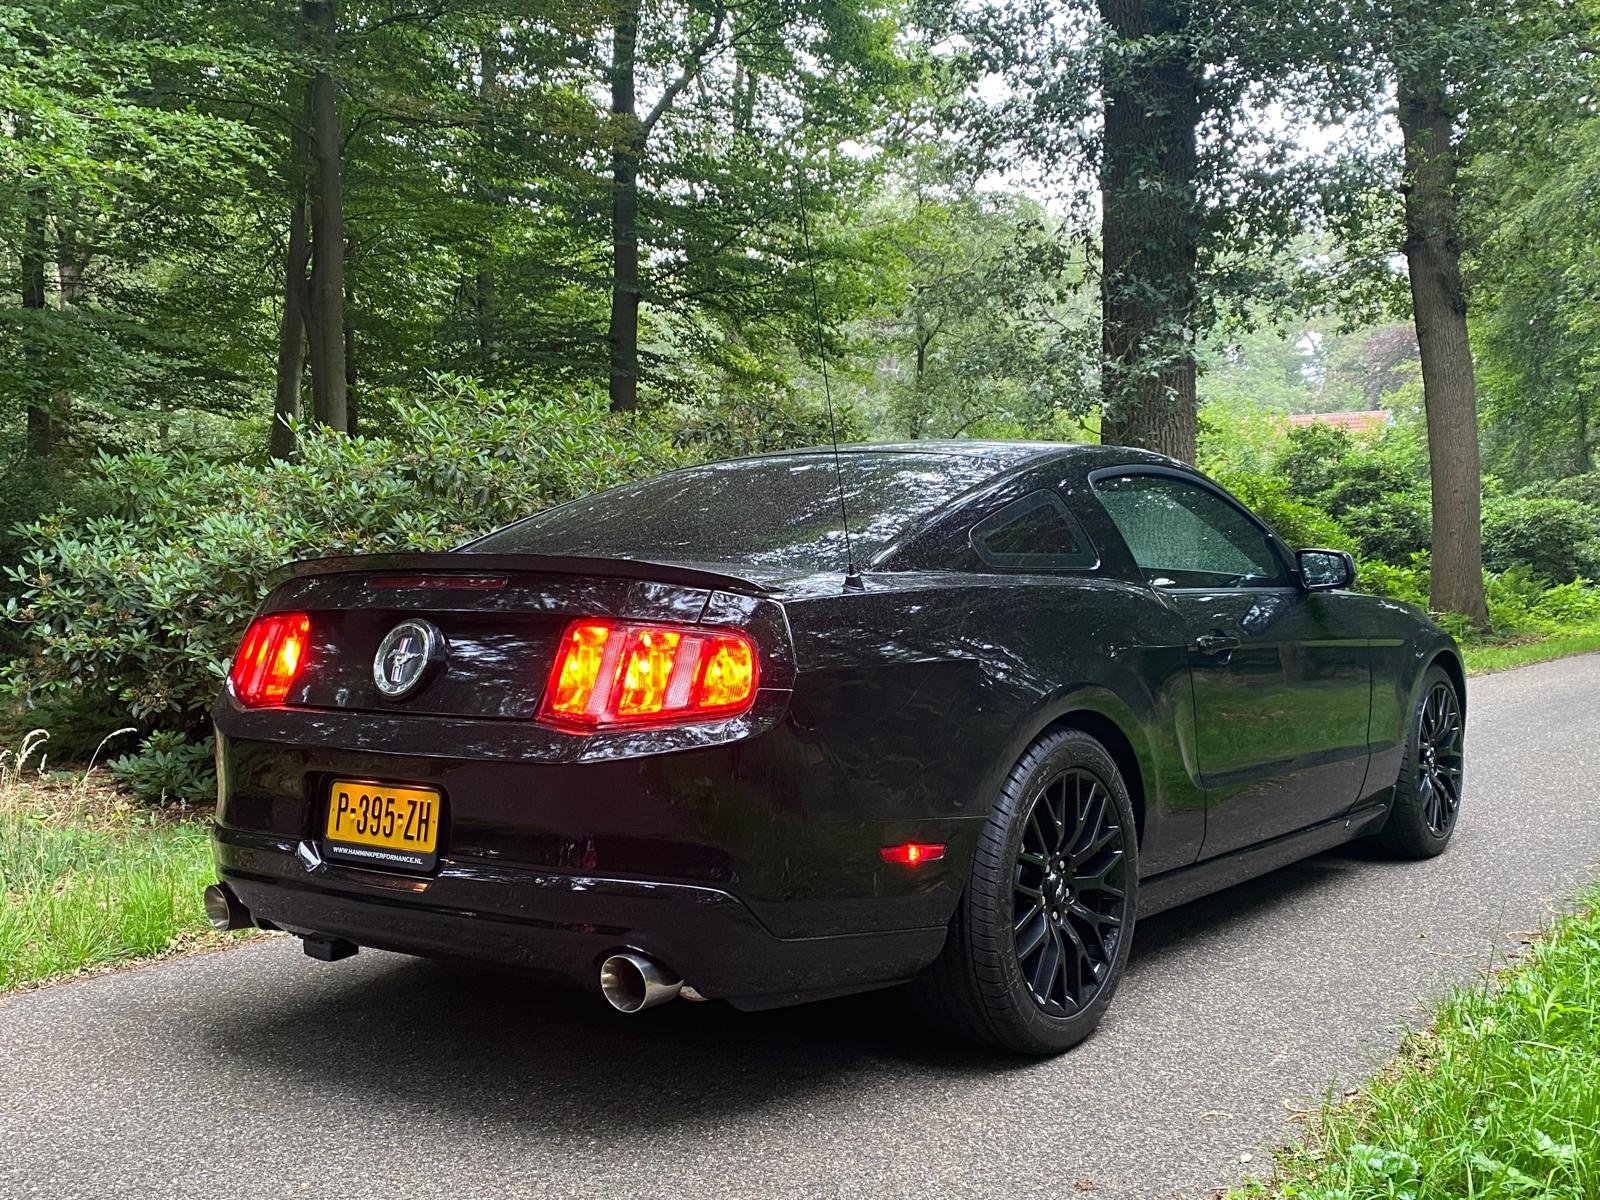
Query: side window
{"points": [[1036, 533], [1185, 535]]}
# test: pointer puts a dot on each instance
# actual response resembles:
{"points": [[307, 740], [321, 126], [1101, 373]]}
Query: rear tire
{"points": [[1041, 937], [1427, 795]]}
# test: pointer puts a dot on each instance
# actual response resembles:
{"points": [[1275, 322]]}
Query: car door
{"points": [[1281, 675]]}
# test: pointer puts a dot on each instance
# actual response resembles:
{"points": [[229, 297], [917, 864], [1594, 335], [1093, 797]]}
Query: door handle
{"points": [[1216, 642]]}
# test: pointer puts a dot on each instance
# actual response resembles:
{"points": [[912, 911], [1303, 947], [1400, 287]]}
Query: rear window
{"points": [[780, 512], [1035, 533]]}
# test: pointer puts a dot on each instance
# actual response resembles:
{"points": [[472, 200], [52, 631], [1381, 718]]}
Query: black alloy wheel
{"points": [[1440, 736], [1427, 794], [1070, 893], [1041, 936]]}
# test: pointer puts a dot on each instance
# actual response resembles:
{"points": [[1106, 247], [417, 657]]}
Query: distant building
{"points": [[1373, 421]]}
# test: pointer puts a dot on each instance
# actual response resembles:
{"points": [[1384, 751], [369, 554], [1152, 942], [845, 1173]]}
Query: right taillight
{"points": [[626, 673], [269, 658]]}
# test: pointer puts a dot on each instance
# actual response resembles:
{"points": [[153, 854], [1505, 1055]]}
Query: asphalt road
{"points": [[256, 1072]]}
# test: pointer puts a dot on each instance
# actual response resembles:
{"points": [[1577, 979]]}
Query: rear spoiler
{"points": [[491, 564]]}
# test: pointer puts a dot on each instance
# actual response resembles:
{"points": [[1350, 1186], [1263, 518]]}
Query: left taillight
{"points": [[269, 658], [626, 673]]}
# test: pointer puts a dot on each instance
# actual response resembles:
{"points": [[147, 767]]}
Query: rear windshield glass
{"points": [[780, 512]]}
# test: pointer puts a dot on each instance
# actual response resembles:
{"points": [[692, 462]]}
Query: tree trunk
{"points": [[1439, 307], [1585, 457], [1150, 226], [483, 287], [627, 149], [296, 295], [326, 330], [72, 260], [291, 336], [41, 427], [352, 407]]}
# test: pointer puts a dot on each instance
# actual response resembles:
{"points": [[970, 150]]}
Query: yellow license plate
{"points": [[383, 825]]}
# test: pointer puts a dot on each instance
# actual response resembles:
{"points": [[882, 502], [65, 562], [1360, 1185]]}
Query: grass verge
{"points": [[1492, 657], [87, 880], [1499, 1097]]}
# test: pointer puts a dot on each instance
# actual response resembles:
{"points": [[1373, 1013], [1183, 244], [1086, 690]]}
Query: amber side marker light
{"points": [[624, 673], [911, 854], [269, 658]]}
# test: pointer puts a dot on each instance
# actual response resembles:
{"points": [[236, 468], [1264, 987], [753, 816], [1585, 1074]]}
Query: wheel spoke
{"points": [[1094, 818], [1073, 980], [1080, 811], [1037, 829], [1097, 919], [1108, 835], [1034, 937], [1049, 969], [1056, 809], [1078, 945], [1095, 880]]}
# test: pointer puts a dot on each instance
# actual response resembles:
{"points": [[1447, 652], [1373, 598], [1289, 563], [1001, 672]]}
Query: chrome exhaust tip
{"points": [[632, 983], [224, 910]]}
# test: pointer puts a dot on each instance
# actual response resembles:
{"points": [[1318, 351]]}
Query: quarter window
{"points": [[1183, 535], [1036, 533]]}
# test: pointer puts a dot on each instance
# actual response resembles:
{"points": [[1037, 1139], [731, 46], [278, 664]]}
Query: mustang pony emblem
{"points": [[405, 656]]}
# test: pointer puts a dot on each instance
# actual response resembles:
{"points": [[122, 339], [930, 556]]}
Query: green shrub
{"points": [[1376, 490], [754, 420], [1585, 489], [169, 767], [1391, 528], [1296, 522], [140, 607], [1557, 539], [1408, 584], [1313, 458], [1575, 603]]}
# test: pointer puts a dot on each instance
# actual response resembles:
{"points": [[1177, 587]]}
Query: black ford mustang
{"points": [[686, 737]]}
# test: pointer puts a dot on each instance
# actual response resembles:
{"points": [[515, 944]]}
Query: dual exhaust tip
{"points": [[633, 982], [224, 910]]}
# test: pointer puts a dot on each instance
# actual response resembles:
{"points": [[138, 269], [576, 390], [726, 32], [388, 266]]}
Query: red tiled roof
{"points": [[1354, 422]]}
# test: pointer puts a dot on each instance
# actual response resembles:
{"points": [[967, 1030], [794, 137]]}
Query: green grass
{"points": [[1491, 657], [86, 881], [1500, 1098]]}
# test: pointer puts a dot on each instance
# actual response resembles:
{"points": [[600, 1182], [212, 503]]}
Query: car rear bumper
{"points": [[559, 924]]}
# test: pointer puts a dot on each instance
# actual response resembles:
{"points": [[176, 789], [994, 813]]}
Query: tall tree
{"points": [[1150, 230], [1428, 119], [105, 189], [41, 434], [628, 140], [1196, 193], [1536, 292], [326, 307]]}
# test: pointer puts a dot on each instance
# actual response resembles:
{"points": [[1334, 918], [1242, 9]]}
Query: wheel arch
{"points": [[1450, 660], [1105, 730]]}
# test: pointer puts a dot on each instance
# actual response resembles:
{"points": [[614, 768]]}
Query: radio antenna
{"points": [[852, 577]]}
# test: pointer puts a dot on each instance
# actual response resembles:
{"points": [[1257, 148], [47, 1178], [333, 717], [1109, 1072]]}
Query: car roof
{"points": [[1003, 455]]}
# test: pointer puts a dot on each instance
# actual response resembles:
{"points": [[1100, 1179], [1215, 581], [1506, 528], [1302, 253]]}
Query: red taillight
{"points": [[619, 673], [909, 854], [269, 658]]}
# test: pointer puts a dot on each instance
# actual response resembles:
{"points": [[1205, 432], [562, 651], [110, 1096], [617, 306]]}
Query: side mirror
{"points": [[1325, 570]]}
